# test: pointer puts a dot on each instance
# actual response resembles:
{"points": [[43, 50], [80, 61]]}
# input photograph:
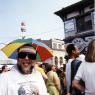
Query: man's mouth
{"points": [[26, 63]]}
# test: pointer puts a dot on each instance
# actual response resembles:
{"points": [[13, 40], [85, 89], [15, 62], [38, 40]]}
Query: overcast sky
{"points": [[41, 22]]}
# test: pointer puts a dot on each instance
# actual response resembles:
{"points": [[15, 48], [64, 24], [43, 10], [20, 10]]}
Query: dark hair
{"points": [[49, 67], [3, 67], [69, 48], [66, 57], [90, 55]]}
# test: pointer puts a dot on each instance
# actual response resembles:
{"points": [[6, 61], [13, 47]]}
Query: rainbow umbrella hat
{"points": [[43, 51]]}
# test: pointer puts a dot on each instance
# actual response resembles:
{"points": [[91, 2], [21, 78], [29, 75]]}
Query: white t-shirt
{"points": [[68, 74], [15, 83], [86, 72]]}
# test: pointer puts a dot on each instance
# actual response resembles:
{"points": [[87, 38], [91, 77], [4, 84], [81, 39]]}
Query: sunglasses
{"points": [[23, 55]]}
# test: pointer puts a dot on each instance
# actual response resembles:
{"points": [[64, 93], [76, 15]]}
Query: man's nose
{"points": [[26, 57]]}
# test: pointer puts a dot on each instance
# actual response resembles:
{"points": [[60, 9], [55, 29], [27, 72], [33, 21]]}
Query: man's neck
{"points": [[72, 57]]}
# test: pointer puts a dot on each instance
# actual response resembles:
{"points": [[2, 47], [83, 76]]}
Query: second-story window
{"points": [[69, 25], [59, 46], [54, 46], [84, 23]]}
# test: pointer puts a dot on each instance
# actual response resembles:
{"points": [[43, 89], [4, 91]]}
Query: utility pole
{"points": [[23, 29]]}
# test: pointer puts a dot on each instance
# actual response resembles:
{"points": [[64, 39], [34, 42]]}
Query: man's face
{"points": [[26, 58], [76, 52]]}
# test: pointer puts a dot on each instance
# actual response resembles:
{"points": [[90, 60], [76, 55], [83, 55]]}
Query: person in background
{"points": [[86, 71], [4, 68], [61, 74], [53, 81], [44, 66], [41, 70], [23, 78], [73, 53]]}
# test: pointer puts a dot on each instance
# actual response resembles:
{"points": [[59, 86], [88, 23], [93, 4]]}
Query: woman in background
{"points": [[53, 81]]}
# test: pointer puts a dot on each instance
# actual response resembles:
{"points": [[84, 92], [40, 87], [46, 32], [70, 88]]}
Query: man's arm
{"points": [[77, 85], [42, 85]]}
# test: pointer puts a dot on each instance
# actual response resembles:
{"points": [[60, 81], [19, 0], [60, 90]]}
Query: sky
{"points": [[38, 15]]}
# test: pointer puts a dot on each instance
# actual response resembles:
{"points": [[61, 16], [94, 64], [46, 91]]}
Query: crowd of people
{"points": [[30, 77]]}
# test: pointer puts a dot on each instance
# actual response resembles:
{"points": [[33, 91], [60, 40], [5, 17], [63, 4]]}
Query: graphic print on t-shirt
{"points": [[27, 89]]}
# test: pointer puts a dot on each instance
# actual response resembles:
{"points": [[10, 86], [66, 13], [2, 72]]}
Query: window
{"points": [[59, 46], [69, 25], [56, 60], [61, 60], [54, 45], [84, 23], [88, 22]]}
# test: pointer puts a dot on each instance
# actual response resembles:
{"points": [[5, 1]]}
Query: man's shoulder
{"points": [[76, 62], [5, 75], [69, 62]]}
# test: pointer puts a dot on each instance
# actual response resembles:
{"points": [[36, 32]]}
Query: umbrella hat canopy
{"points": [[43, 51]]}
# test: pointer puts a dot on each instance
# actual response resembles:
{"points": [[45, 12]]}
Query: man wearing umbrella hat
{"points": [[23, 79]]}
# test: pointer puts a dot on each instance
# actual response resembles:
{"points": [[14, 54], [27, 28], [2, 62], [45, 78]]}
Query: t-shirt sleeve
{"points": [[79, 74], [3, 85], [42, 86]]}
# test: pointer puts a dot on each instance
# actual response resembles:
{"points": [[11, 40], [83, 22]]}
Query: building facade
{"points": [[79, 23], [58, 51]]}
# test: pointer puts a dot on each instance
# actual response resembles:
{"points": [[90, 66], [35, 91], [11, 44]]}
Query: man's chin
{"points": [[25, 70]]}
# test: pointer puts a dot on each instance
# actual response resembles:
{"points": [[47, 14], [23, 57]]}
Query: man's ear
{"points": [[73, 51]]}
